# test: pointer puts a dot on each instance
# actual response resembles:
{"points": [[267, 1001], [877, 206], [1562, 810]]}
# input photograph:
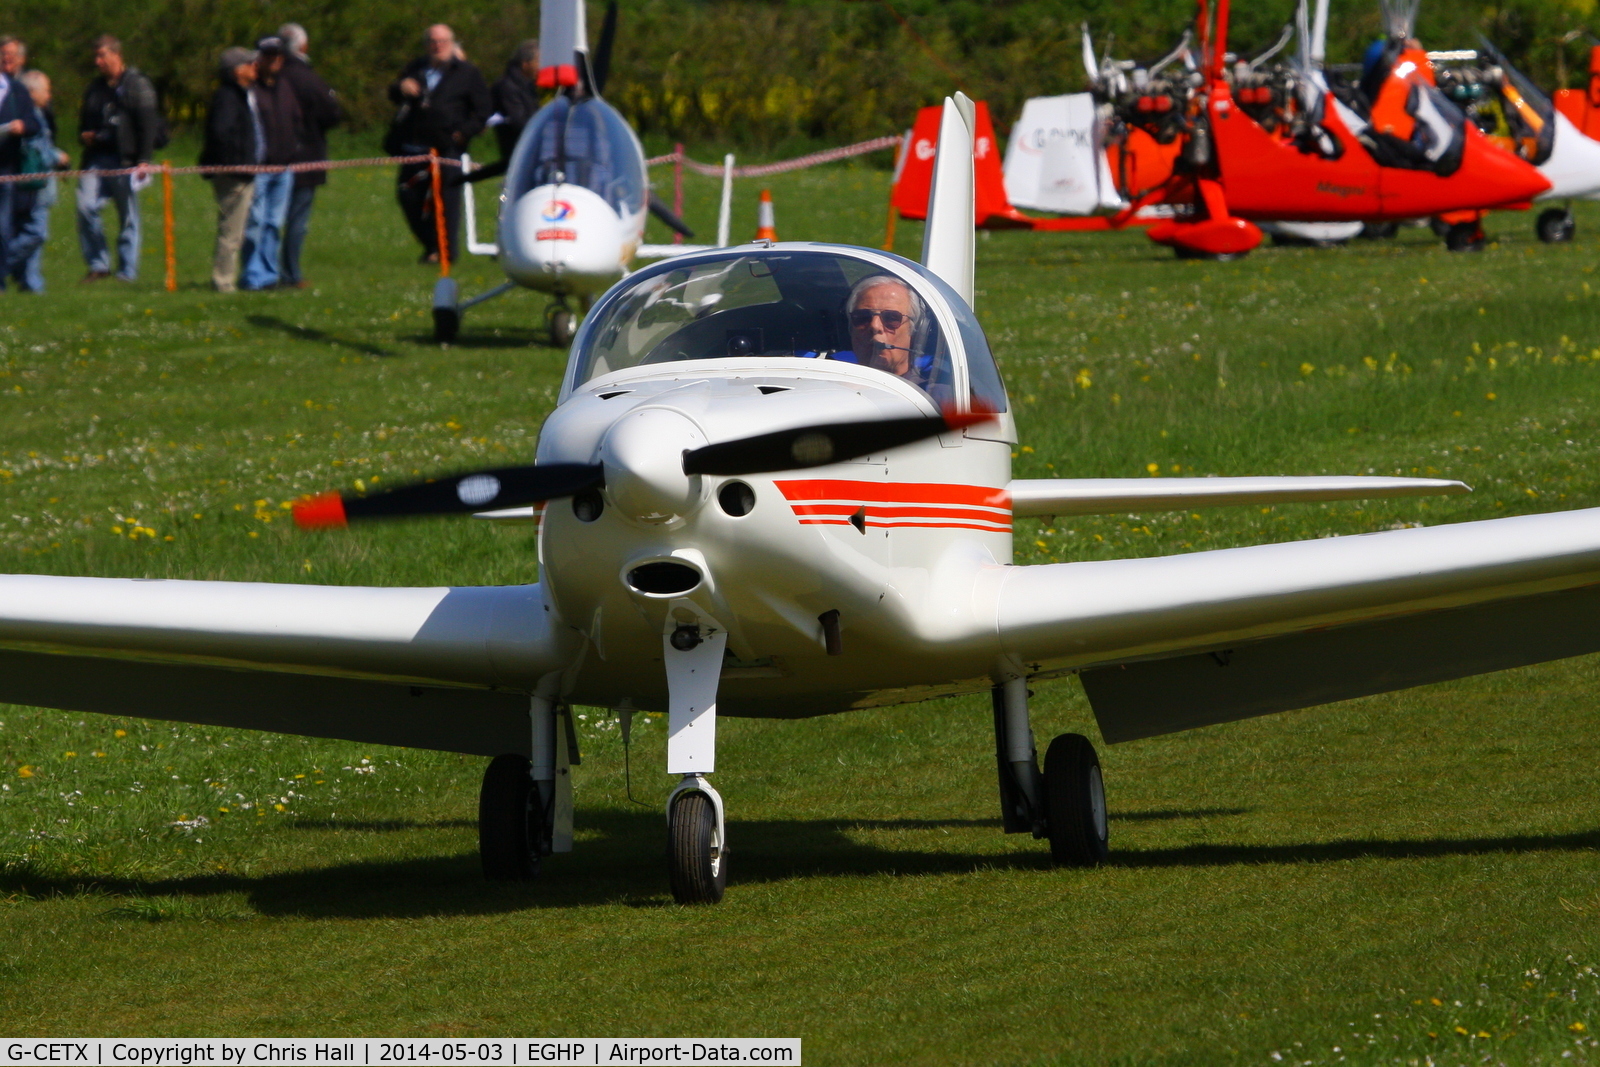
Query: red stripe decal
{"points": [[876, 511], [895, 492]]}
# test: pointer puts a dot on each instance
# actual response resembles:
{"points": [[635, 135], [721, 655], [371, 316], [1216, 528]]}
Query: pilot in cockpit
{"points": [[886, 320]]}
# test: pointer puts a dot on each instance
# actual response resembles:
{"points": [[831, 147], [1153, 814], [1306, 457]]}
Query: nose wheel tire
{"points": [[562, 327], [1556, 226], [697, 860], [510, 821], [1075, 803]]}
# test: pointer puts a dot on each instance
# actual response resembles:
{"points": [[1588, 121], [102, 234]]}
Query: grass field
{"points": [[1410, 878]]}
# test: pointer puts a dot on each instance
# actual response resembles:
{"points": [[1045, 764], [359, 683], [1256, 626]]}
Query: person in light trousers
{"points": [[234, 137], [280, 124]]}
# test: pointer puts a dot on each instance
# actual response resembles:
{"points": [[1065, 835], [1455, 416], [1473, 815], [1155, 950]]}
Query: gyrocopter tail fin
{"points": [[562, 35], [947, 243]]}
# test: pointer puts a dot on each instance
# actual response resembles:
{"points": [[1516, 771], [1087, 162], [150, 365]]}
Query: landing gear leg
{"points": [[1021, 789], [697, 853], [1075, 802]]}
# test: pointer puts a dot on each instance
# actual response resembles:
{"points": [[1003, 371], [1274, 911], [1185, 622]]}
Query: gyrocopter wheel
{"points": [[510, 821], [562, 327], [696, 857], [1556, 226], [1075, 803]]}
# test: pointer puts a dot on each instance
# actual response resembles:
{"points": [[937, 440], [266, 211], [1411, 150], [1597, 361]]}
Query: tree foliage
{"points": [[752, 72]]}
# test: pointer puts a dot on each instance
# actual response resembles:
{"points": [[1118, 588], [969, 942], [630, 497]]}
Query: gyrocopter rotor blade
{"points": [[460, 494], [816, 446], [601, 69]]}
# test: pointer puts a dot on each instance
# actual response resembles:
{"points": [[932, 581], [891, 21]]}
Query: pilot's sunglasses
{"points": [[892, 320]]}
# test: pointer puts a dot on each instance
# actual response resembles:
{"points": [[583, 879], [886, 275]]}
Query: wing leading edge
{"points": [[444, 668], [1175, 642], [1102, 496]]}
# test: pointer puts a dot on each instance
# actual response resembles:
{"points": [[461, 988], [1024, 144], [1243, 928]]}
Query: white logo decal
{"points": [[478, 489]]}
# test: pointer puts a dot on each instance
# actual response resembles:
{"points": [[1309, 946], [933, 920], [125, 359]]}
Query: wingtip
{"points": [[321, 511]]}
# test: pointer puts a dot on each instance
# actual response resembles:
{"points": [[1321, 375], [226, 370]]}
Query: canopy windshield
{"points": [[785, 304], [584, 143]]}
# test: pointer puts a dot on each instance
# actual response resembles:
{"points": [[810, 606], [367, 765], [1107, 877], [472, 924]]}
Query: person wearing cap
{"points": [[234, 137], [443, 104], [119, 124], [279, 112], [320, 112]]}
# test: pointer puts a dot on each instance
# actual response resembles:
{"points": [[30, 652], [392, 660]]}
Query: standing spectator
{"points": [[444, 104], [234, 138], [13, 56], [119, 124], [319, 113], [280, 123], [514, 96], [17, 123], [24, 261]]}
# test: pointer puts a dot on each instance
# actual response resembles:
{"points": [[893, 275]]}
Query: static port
{"points": [[588, 505], [737, 498], [663, 578]]}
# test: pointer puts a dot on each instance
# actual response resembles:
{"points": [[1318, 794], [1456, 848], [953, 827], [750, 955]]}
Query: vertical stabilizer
{"points": [[1319, 34], [562, 35], [947, 243]]}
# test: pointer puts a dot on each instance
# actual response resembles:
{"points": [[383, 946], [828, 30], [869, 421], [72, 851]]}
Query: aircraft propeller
{"points": [[510, 487]]}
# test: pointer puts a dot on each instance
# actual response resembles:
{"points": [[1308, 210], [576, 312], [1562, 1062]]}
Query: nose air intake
{"points": [[664, 578]]}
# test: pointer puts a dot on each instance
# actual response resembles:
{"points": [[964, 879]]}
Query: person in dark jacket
{"points": [[234, 138], [514, 97], [118, 124], [19, 121], [319, 112], [280, 125], [443, 104]]}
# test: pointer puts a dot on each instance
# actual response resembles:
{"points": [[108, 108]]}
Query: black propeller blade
{"points": [[483, 173], [660, 210], [602, 55], [816, 446], [504, 487]]}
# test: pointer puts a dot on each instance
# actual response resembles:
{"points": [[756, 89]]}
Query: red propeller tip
{"points": [[326, 509], [957, 420]]}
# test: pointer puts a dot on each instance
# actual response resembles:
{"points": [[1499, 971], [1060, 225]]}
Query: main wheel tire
{"points": [[446, 324], [1075, 803], [562, 327], [698, 860], [510, 821], [1209, 257], [1439, 227], [1556, 226], [1464, 237], [1379, 231]]}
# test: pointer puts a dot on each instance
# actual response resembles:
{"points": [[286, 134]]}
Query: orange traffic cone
{"points": [[766, 226]]}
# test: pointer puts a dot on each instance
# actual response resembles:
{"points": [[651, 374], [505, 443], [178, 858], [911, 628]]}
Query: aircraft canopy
{"points": [[794, 304], [583, 143]]}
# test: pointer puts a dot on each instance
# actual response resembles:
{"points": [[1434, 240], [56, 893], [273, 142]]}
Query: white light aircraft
{"points": [[576, 194], [777, 484]]}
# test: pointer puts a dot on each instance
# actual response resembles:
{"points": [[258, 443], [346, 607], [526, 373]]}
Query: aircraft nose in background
{"points": [[643, 458]]}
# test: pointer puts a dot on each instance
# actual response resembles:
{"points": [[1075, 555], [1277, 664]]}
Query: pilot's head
{"points": [[884, 314]]}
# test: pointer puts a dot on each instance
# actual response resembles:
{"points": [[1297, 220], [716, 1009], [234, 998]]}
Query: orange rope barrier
{"points": [[166, 226], [441, 227]]}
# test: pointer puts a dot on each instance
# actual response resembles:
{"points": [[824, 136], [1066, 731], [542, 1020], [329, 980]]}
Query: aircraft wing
{"points": [[1101, 496], [442, 668], [1174, 642]]}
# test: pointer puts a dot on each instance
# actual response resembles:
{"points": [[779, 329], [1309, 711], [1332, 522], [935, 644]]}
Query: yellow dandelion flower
{"points": [[120, 733], [71, 755], [1577, 1028], [279, 807], [1462, 1030], [25, 771], [1488, 396], [1153, 468]]}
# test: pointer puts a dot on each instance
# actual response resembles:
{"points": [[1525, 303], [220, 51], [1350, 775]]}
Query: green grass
{"points": [[1354, 882]]}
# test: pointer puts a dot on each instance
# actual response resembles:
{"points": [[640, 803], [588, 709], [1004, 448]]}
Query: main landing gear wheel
{"points": [[1556, 226], [562, 327], [695, 856], [1075, 803], [510, 821], [1464, 237]]}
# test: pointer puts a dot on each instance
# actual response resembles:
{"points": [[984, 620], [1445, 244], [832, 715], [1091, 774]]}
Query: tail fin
{"points": [[562, 35], [947, 243]]}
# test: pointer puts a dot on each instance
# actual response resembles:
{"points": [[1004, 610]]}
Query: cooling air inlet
{"points": [[664, 578]]}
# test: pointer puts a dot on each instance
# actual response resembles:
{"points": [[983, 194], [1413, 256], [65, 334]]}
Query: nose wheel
{"points": [[1556, 226], [696, 857]]}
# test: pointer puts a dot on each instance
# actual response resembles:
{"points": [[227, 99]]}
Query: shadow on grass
{"points": [[316, 336], [619, 861], [1165, 814], [383, 826], [524, 338]]}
